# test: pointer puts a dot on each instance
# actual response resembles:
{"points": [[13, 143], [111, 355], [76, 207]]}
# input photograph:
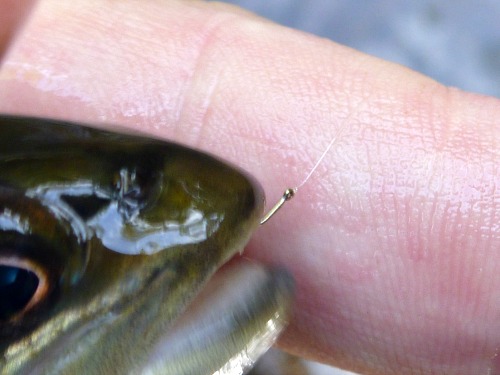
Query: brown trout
{"points": [[106, 238]]}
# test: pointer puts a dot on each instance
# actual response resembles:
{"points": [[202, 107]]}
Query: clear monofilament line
{"points": [[290, 192], [316, 165]]}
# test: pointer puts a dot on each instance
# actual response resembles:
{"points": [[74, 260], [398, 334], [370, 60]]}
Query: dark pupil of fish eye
{"points": [[17, 287]]}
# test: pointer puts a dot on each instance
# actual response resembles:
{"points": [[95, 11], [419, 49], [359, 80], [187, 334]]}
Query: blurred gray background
{"points": [[456, 42]]}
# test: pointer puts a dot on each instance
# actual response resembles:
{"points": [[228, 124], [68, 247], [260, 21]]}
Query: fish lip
{"points": [[245, 300]]}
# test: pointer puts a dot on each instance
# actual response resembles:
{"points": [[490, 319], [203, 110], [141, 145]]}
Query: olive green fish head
{"points": [[104, 239]]}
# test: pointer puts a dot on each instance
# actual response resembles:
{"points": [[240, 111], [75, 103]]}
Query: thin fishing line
{"points": [[289, 193], [316, 165]]}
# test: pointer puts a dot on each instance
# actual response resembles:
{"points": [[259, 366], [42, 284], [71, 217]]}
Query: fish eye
{"points": [[42, 253], [23, 286]]}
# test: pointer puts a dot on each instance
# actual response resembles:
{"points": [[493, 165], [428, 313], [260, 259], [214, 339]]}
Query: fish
{"points": [[108, 241]]}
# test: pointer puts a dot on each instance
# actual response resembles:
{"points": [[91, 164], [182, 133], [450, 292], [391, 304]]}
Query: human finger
{"points": [[393, 241]]}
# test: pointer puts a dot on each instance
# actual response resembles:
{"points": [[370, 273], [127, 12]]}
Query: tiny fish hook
{"points": [[287, 195]]}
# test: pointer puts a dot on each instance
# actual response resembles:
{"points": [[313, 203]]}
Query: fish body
{"points": [[115, 235]]}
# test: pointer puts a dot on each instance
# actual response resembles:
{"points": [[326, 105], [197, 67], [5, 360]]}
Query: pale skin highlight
{"points": [[393, 240]]}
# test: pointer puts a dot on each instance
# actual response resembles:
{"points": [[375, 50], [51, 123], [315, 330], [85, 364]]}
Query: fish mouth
{"points": [[234, 320]]}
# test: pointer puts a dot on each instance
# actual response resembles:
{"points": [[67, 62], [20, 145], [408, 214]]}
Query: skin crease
{"points": [[12, 15], [394, 241]]}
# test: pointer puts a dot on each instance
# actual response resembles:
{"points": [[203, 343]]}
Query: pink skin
{"points": [[394, 241]]}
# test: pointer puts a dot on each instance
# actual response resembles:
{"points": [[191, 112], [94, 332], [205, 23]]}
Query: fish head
{"points": [[105, 239]]}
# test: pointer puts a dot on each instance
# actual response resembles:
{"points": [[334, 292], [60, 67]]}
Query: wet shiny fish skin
{"points": [[147, 223]]}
